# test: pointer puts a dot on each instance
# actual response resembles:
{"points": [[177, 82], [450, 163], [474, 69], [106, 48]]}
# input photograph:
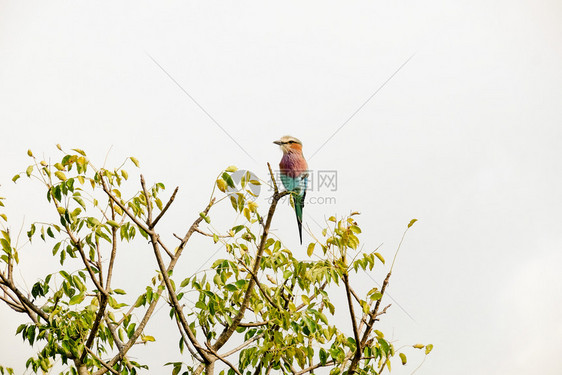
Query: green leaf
{"points": [[403, 358], [80, 201], [114, 224], [205, 217], [29, 170], [6, 246], [119, 291], [229, 181], [15, 178], [323, 356], [77, 299], [380, 257], [412, 222]]}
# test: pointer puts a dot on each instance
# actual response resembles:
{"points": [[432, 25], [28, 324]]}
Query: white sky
{"points": [[465, 137]]}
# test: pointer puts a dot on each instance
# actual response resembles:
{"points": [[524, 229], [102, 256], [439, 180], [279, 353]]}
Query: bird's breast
{"points": [[293, 164]]}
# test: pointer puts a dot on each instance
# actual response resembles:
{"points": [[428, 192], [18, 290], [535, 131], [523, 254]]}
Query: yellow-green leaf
{"points": [[61, 210], [114, 224], [205, 217], [29, 170], [59, 147], [79, 151], [403, 358], [428, 348], [380, 257], [419, 346], [232, 168], [135, 161], [29, 153], [412, 222], [60, 175], [221, 184], [15, 178], [148, 338], [247, 213], [310, 248]]}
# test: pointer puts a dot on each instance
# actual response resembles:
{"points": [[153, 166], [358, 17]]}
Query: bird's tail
{"points": [[299, 205]]}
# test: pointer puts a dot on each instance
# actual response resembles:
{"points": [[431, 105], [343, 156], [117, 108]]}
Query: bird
{"points": [[294, 173]]}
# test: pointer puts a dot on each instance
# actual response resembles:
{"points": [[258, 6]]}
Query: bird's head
{"points": [[289, 144]]}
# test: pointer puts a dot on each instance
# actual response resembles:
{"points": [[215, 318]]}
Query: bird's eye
{"points": [[291, 142]]}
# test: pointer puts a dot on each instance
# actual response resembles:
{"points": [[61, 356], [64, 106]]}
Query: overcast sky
{"points": [[448, 112]]}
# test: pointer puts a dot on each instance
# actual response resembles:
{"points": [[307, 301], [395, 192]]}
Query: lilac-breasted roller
{"points": [[294, 173]]}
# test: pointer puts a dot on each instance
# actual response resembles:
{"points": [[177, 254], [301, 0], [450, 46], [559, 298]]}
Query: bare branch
{"points": [[153, 224], [256, 324], [24, 300], [314, 367], [244, 344]]}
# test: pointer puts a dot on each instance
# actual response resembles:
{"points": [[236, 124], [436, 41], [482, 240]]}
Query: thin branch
{"points": [[369, 326], [113, 252], [187, 342], [256, 324], [209, 234], [314, 367], [12, 304], [244, 344], [101, 361], [223, 360], [95, 326], [24, 300], [260, 287], [165, 208], [359, 348]]}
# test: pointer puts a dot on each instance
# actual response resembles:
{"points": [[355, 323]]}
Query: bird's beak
{"points": [[278, 143]]}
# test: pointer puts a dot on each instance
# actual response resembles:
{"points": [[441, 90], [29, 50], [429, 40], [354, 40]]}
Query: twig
{"points": [[101, 361], [165, 208], [314, 367], [244, 344]]}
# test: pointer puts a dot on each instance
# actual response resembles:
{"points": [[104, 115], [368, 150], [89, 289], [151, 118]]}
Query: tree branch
{"points": [[165, 208], [229, 330], [358, 347]]}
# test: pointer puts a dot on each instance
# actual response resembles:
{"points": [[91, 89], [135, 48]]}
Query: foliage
{"points": [[276, 308]]}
